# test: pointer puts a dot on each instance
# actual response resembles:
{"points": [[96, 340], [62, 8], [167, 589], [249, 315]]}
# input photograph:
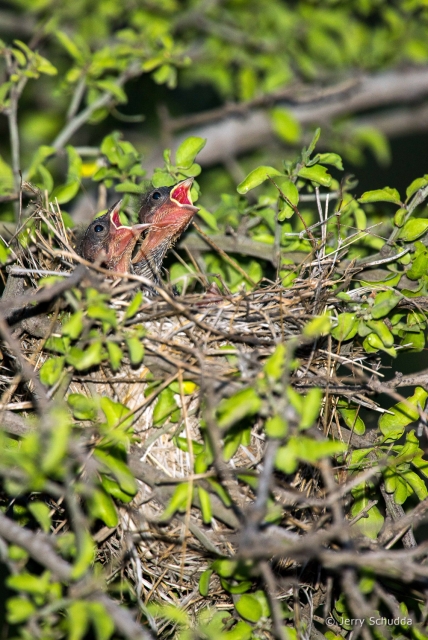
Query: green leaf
{"points": [[373, 522], [374, 342], [115, 355], [74, 165], [78, 620], [241, 631], [101, 620], [311, 407], [164, 407], [418, 485], [4, 251], [330, 158], [241, 587], [400, 216], [6, 178], [111, 86], [44, 66], [392, 426], [402, 490], [314, 141], [255, 178], [232, 442], [419, 266], [205, 504], [353, 420], [317, 327], [414, 228], [208, 218], [135, 350], [20, 57], [85, 359], [381, 195], [134, 305], [380, 329], [66, 192], [113, 489], [188, 150], [305, 450], [115, 413], [85, 555], [42, 153], [83, 408], [317, 173], [162, 179], [102, 506], [241, 404], [385, 301], [119, 470], [129, 187], [285, 125], [74, 326], [417, 184], [274, 365], [178, 501], [103, 313], [19, 610], [204, 582], [166, 74], [347, 327], [249, 608], [109, 147], [276, 427], [41, 512], [51, 370], [225, 567], [290, 191], [29, 583], [47, 180], [72, 49], [57, 444]]}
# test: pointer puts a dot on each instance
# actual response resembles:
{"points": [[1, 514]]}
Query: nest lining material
{"points": [[188, 338]]}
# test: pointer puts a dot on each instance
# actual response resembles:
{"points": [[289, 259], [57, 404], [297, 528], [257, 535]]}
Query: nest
{"points": [[208, 347]]}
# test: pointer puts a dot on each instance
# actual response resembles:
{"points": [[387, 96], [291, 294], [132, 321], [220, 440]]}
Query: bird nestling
{"points": [[109, 242], [168, 211]]}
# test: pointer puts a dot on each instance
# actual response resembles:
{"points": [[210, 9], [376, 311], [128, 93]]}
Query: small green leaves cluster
{"points": [[294, 176], [36, 470], [122, 165], [183, 167], [85, 340]]}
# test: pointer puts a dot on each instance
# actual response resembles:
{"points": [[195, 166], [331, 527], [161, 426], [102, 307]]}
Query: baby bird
{"points": [[168, 211], [109, 242]]}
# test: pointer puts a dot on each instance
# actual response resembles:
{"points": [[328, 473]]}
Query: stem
{"points": [[104, 100], [12, 116], [418, 198]]}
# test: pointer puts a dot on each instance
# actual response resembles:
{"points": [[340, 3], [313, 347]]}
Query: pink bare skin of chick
{"points": [[170, 211]]}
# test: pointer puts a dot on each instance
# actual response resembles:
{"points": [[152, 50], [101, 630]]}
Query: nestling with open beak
{"points": [[169, 211], [109, 242]]}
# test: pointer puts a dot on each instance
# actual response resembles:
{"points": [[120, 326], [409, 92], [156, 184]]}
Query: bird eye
{"points": [[98, 228], [156, 195]]}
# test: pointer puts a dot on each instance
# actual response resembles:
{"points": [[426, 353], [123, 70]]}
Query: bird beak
{"points": [[136, 229], [123, 239], [180, 195]]}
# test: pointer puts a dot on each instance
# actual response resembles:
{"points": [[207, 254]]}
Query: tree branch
{"points": [[227, 129]]}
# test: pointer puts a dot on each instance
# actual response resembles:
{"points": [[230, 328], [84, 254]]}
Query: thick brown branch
{"points": [[237, 129]]}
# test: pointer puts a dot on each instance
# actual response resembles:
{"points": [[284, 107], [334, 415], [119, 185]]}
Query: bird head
{"points": [[169, 211], [109, 242]]}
